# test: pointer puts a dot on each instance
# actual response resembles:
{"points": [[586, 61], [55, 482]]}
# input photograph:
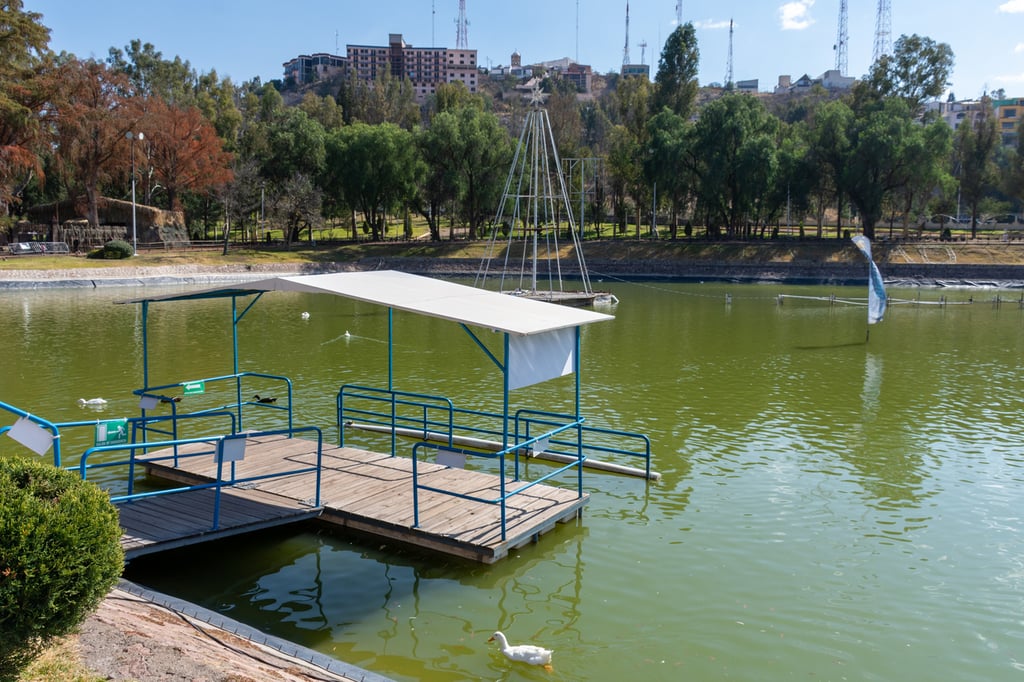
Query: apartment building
{"points": [[425, 68]]}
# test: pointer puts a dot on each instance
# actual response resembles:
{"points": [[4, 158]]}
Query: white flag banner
{"points": [[876, 287]]}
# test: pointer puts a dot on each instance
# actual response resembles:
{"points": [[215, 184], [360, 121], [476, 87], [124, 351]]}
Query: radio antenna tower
{"points": [[679, 12], [625, 49], [462, 29], [883, 31], [728, 64], [643, 51], [841, 40]]}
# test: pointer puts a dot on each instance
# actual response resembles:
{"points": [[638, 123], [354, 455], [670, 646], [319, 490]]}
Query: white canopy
{"points": [[418, 294]]}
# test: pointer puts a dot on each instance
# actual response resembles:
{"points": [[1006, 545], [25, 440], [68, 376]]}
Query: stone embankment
{"points": [[801, 272]]}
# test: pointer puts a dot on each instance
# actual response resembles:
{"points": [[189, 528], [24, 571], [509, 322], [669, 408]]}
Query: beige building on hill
{"points": [[425, 67]]}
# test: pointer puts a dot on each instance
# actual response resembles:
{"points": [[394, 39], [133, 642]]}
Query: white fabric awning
{"points": [[417, 294]]}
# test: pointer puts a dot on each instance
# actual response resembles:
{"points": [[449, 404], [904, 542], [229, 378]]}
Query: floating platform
{"points": [[365, 491]]}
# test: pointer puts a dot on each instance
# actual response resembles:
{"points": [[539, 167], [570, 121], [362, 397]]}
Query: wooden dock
{"points": [[365, 491]]}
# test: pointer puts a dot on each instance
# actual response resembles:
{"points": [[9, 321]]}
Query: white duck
{"points": [[91, 401], [526, 653]]}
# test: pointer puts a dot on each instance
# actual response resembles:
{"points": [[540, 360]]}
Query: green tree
{"points": [[675, 84], [153, 76], [829, 142], [887, 150], [974, 148], [440, 185], [477, 153], [734, 147], [379, 172], [917, 70], [60, 554], [667, 165]]}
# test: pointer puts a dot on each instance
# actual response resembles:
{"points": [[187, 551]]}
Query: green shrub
{"points": [[60, 554], [114, 250]]}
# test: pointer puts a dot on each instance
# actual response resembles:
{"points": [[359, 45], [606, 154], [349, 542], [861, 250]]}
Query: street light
{"points": [[131, 139]]}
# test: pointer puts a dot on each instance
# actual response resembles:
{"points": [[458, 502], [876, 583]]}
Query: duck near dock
{"points": [[258, 399], [91, 402]]}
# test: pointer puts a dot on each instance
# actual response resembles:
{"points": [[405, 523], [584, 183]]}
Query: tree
{"points": [[675, 84], [379, 170], [887, 149], [974, 148], [734, 144], [476, 152], [94, 110], [916, 71], [24, 91], [153, 76], [184, 150], [666, 166], [60, 553], [828, 137]]}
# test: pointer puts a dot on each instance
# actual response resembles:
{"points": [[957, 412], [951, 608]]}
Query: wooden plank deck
{"points": [[365, 491]]}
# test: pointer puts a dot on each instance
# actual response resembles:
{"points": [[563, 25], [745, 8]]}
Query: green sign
{"points": [[112, 432], [194, 387]]}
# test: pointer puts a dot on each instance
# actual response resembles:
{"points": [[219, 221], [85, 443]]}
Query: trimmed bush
{"points": [[115, 249], [60, 554]]}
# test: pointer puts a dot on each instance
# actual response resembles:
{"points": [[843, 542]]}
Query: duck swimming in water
{"points": [[258, 399], [525, 653], [94, 402]]}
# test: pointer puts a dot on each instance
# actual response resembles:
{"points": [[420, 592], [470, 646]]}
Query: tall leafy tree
{"points": [[24, 92], [94, 109], [477, 152], [675, 84], [917, 70], [829, 141], [151, 75], [183, 150], [886, 149], [974, 149], [666, 166], [379, 172], [734, 147]]}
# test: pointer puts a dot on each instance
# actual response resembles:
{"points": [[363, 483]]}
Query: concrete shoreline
{"points": [[830, 274]]}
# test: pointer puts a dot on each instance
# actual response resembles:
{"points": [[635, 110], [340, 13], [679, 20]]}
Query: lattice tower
{"points": [[841, 40], [625, 48], [462, 28], [728, 64], [883, 31]]}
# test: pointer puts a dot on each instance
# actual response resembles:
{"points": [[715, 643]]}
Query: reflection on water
{"points": [[832, 505]]}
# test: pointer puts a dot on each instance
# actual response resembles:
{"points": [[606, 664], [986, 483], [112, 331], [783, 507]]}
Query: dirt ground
{"points": [[131, 639]]}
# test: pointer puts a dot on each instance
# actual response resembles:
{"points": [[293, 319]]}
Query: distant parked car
{"points": [[943, 219]]}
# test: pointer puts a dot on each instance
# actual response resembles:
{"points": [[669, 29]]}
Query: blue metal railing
{"points": [[220, 482], [503, 494], [38, 421], [442, 426], [169, 394]]}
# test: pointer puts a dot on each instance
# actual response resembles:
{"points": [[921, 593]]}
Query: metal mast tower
{"points": [[841, 40], [462, 29], [679, 12], [625, 49], [728, 64], [883, 31]]}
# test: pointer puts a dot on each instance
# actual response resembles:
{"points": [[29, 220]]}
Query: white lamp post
{"points": [[131, 138]]}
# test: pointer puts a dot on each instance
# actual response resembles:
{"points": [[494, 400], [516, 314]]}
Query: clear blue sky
{"points": [[243, 39]]}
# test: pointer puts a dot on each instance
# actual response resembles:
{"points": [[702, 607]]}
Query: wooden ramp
{"points": [[369, 492]]}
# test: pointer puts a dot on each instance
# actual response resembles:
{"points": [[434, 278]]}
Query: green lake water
{"points": [[831, 507]]}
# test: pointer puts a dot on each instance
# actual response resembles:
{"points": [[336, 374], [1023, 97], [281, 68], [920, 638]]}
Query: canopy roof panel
{"points": [[416, 294]]}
